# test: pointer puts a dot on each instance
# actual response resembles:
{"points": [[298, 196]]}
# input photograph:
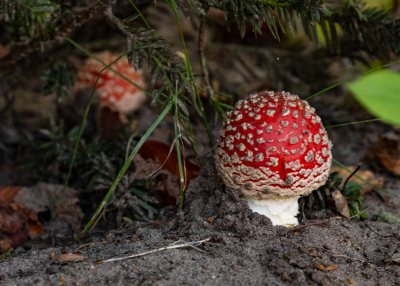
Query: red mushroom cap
{"points": [[273, 146], [114, 91]]}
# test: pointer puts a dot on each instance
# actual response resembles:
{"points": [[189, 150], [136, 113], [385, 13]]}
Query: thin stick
{"points": [[314, 223], [393, 235], [351, 175], [188, 244], [129, 145], [90, 244]]}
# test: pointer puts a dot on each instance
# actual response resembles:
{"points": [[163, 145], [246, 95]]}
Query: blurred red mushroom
{"points": [[114, 92]]}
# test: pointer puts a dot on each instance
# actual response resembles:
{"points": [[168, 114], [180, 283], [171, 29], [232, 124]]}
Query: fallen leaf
{"points": [[64, 258], [396, 257], [365, 174], [161, 151], [167, 183], [341, 204], [333, 267], [43, 197], [17, 222], [387, 152], [321, 267], [5, 245], [156, 155], [351, 282], [8, 193]]}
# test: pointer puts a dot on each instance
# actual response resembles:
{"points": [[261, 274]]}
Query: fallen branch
{"points": [[188, 244], [314, 223]]}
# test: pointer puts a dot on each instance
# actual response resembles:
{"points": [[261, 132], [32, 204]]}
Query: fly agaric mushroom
{"points": [[274, 148], [114, 91]]}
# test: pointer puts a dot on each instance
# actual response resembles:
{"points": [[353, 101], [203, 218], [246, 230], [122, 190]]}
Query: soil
{"points": [[245, 249]]}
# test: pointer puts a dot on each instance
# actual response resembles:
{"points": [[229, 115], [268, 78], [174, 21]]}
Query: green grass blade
{"points": [[189, 68], [125, 168], [141, 15], [178, 151], [369, 183], [100, 61], [79, 138], [350, 123], [349, 79]]}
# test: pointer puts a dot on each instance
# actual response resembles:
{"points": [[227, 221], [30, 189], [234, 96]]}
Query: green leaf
{"points": [[379, 93]]}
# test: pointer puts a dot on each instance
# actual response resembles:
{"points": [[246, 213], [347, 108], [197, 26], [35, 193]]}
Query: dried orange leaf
{"points": [[160, 150], [365, 174], [8, 193], [341, 204], [64, 258], [351, 281], [321, 267], [387, 152], [333, 267]]}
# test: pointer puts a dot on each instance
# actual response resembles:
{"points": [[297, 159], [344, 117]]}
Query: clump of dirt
{"points": [[244, 249]]}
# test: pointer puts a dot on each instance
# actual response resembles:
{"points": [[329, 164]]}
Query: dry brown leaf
{"points": [[64, 258], [160, 150], [321, 267], [167, 182], [351, 281], [154, 154], [43, 197], [333, 267], [8, 193], [5, 244], [341, 204], [365, 174], [17, 222], [396, 257], [387, 152]]}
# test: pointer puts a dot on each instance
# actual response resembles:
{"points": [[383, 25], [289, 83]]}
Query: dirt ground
{"points": [[245, 248]]}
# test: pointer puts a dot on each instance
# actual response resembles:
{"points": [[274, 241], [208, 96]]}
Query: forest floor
{"points": [[241, 247]]}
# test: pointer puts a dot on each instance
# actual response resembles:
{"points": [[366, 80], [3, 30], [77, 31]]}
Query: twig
{"points": [[186, 226], [364, 210], [31, 45], [188, 244], [314, 223], [89, 244], [351, 175], [393, 235]]}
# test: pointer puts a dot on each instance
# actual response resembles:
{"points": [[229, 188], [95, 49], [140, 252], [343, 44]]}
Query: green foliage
{"points": [[58, 80], [379, 93], [6, 255], [95, 168], [351, 192], [27, 17], [388, 217]]}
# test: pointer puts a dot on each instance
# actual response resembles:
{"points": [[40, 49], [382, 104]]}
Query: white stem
{"points": [[281, 212]]}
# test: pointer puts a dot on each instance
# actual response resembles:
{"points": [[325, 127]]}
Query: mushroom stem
{"points": [[280, 212]]}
